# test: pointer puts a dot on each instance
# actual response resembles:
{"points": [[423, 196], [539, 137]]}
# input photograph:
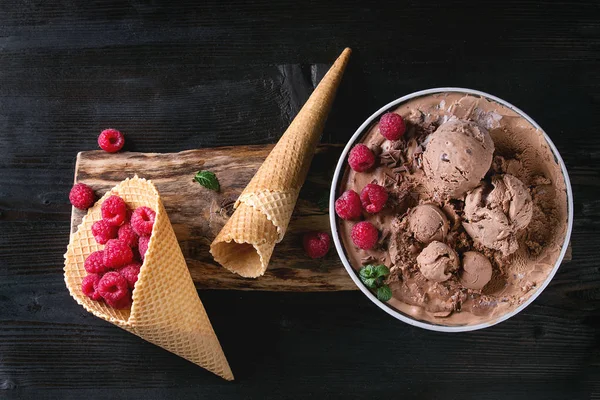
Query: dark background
{"points": [[215, 73]]}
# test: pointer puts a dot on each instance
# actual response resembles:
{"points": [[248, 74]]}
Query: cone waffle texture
{"points": [[265, 207], [166, 309]]}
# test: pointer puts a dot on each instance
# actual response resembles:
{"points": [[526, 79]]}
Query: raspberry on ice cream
{"points": [[94, 263], [89, 286], [142, 220], [117, 254], [391, 126], [82, 196], [348, 206], [130, 272], [111, 140], [114, 210], [373, 197], [361, 158], [114, 289], [316, 244], [128, 236], [103, 231], [143, 246], [364, 235]]}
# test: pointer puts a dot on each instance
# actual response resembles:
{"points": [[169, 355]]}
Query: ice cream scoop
{"points": [[457, 157], [437, 261], [476, 270], [428, 223], [495, 212]]}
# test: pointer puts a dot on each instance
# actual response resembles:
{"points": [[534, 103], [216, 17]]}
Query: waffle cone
{"points": [[265, 207], [166, 309]]}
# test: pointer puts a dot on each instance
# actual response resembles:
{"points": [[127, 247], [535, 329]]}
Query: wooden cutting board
{"points": [[198, 214]]}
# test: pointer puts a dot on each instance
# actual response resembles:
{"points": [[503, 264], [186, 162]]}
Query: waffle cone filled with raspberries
{"points": [[159, 303]]}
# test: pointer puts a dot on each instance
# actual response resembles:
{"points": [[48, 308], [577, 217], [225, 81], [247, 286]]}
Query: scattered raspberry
{"points": [[361, 158], [364, 235], [114, 289], [391, 126], [117, 254], [142, 221], [128, 236], [103, 231], [94, 263], [111, 140], [89, 286], [347, 206], [114, 210], [143, 246], [373, 197], [130, 272], [316, 244], [82, 196]]}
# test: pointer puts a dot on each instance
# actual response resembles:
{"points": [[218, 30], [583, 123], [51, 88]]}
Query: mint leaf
{"points": [[208, 180], [367, 272], [381, 270], [384, 293], [371, 283], [323, 201]]}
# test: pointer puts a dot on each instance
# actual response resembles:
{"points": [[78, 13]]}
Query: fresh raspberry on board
{"points": [[316, 244], [142, 220], [89, 286], [143, 246], [364, 235], [128, 236], [373, 197], [111, 140], [348, 206], [361, 158], [117, 254], [114, 210], [114, 289], [130, 272], [94, 263], [103, 231], [392, 126], [82, 196]]}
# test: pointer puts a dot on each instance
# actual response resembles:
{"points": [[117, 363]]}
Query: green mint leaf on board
{"points": [[371, 283], [381, 270], [366, 272], [208, 180], [323, 201], [384, 293]]}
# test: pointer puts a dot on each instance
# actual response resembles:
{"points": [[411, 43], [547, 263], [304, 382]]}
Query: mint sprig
{"points": [[208, 180], [372, 276], [323, 201]]}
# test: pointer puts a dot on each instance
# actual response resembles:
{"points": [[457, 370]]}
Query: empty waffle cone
{"points": [[264, 209], [166, 309]]}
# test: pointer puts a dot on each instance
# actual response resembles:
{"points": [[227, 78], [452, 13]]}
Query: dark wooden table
{"points": [[185, 77]]}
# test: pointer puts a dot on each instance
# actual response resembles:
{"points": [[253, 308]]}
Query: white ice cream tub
{"points": [[339, 173]]}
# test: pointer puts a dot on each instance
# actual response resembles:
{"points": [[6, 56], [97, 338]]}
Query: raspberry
{"points": [[89, 286], [130, 272], [94, 263], [364, 235], [114, 210], [117, 254], [361, 158], [142, 220], [114, 289], [111, 140], [391, 126], [103, 231], [373, 198], [316, 244], [143, 246], [128, 236], [347, 206], [82, 196]]}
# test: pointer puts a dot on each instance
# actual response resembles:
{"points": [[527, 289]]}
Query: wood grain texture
{"points": [[188, 75]]}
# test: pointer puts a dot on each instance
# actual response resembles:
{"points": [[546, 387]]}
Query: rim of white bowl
{"points": [[340, 168]]}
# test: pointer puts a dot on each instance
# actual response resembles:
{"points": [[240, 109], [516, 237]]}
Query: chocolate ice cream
{"points": [[500, 215]]}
